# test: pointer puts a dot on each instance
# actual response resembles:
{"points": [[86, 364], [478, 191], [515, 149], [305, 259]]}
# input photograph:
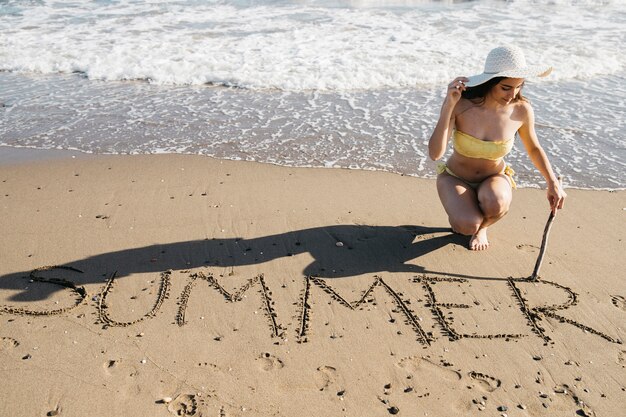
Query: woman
{"points": [[485, 112]]}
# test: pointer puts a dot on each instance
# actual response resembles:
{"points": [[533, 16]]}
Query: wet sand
{"points": [[182, 285]]}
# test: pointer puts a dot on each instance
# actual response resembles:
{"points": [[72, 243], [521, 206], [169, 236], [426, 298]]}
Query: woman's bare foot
{"points": [[479, 240]]}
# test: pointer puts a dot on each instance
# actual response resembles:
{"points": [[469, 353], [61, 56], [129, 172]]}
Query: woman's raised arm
{"points": [[439, 138]]}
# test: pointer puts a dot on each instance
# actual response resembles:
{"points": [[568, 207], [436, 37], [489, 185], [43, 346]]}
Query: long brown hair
{"points": [[478, 93]]}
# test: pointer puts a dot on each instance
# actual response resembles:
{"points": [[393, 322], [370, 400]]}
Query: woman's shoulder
{"points": [[523, 109], [462, 106]]}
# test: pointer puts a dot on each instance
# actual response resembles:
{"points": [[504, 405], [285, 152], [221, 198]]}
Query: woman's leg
{"points": [[461, 203], [494, 200]]}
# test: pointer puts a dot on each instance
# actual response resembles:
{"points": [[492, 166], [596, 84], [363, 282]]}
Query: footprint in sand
{"points": [[527, 248], [110, 366], [183, 405], [325, 377], [621, 358], [426, 370], [485, 382], [561, 400], [270, 362], [200, 405], [115, 368], [619, 302], [7, 343]]}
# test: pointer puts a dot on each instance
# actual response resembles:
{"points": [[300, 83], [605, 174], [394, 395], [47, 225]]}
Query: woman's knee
{"points": [[493, 206], [465, 225], [494, 202]]}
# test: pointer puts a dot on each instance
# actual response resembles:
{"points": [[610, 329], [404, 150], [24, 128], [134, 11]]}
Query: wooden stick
{"points": [[544, 243]]}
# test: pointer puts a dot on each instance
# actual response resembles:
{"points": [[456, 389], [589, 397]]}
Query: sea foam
{"points": [[299, 46]]}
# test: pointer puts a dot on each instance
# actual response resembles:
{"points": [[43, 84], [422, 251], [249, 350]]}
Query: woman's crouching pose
{"points": [[482, 114]]}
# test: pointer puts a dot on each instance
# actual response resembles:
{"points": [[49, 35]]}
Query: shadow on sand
{"points": [[363, 250]]}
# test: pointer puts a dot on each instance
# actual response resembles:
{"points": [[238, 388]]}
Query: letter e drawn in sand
{"points": [[445, 322], [267, 303], [305, 308]]}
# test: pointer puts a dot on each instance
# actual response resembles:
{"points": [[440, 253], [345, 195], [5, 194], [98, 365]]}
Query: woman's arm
{"points": [[556, 195], [439, 138]]}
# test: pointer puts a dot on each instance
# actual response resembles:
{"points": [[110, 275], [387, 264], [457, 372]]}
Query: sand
{"points": [[182, 285]]}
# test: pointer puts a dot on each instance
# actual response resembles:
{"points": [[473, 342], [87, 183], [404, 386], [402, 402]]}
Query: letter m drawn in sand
{"points": [[305, 308], [275, 327]]}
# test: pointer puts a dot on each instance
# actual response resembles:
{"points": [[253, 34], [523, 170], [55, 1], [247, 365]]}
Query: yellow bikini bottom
{"points": [[508, 171]]}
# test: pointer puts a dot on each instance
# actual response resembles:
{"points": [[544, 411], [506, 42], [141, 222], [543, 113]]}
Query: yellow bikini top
{"points": [[472, 147]]}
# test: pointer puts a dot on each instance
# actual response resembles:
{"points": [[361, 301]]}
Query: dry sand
{"points": [[220, 288]]}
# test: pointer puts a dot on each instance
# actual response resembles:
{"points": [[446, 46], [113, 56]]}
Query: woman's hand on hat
{"points": [[456, 87]]}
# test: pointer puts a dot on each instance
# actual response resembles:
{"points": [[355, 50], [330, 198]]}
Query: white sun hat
{"points": [[507, 61]]}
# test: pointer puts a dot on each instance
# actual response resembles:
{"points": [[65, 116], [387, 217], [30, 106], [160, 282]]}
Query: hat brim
{"points": [[527, 72]]}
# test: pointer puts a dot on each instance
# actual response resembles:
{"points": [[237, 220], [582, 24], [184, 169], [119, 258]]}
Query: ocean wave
{"points": [[308, 46]]}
